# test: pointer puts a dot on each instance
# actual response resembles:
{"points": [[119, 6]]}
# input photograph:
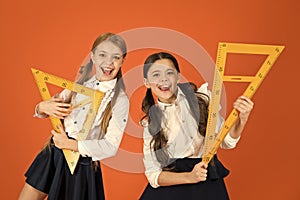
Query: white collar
{"points": [[103, 86], [180, 95]]}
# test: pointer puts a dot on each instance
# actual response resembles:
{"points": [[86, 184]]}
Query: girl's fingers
{"points": [[243, 104], [202, 165], [64, 111], [246, 99], [57, 99], [203, 171], [241, 107], [64, 108], [60, 115], [64, 105], [53, 132]]}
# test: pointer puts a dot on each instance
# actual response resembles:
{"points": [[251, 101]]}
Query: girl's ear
{"points": [[146, 83], [123, 60], [179, 78], [92, 56]]}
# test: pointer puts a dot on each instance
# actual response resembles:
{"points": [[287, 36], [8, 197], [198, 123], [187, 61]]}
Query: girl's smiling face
{"points": [[162, 78], [108, 59]]}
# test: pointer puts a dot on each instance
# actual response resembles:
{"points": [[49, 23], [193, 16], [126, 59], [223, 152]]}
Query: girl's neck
{"points": [[105, 80]]}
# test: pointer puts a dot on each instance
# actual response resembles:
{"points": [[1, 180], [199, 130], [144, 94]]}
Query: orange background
{"points": [[55, 36]]}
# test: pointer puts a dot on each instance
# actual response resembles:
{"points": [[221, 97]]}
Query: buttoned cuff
{"points": [[36, 113], [153, 178], [82, 149], [231, 142]]}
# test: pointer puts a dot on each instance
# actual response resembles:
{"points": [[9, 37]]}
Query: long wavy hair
{"points": [[197, 102], [86, 70], [85, 74]]}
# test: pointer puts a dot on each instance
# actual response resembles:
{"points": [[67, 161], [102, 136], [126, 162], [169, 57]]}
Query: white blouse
{"points": [[93, 146], [182, 133]]}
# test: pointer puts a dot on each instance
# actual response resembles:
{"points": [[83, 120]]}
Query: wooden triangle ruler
{"points": [[212, 143], [94, 98]]}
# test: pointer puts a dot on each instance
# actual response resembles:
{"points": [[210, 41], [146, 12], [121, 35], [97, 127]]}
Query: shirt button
{"points": [[124, 120], [97, 83], [83, 108], [75, 122]]}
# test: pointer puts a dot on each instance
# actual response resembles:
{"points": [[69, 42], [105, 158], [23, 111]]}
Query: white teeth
{"points": [[164, 87], [107, 70]]}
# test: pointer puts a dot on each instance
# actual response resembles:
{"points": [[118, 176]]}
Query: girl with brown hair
{"points": [[49, 173], [174, 131]]}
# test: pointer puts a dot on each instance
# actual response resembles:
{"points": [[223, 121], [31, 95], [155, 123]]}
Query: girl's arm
{"points": [[244, 106], [199, 173], [99, 148], [109, 145], [62, 141], [55, 106], [156, 177]]}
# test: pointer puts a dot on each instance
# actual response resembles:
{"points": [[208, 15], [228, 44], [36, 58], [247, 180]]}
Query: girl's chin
{"points": [[167, 98], [104, 77]]}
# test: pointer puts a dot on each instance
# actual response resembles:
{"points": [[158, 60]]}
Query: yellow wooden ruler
{"points": [[94, 98], [211, 144], [213, 106]]}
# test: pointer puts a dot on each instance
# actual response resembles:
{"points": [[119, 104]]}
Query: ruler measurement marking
{"points": [[210, 147], [94, 97]]}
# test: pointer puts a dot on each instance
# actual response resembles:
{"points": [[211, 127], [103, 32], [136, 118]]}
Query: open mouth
{"points": [[164, 88], [106, 71]]}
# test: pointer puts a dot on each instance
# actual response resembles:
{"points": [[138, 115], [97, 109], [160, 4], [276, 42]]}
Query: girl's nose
{"points": [[163, 78], [109, 60]]}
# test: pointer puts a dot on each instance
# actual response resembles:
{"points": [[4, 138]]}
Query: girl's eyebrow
{"points": [[103, 51], [155, 71], [171, 69]]}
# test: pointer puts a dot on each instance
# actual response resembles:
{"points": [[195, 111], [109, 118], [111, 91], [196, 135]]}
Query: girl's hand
{"points": [[62, 141], [54, 107], [199, 173], [244, 105]]}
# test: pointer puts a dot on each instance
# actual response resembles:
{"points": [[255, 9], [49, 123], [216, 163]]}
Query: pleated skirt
{"points": [[212, 189], [49, 173]]}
